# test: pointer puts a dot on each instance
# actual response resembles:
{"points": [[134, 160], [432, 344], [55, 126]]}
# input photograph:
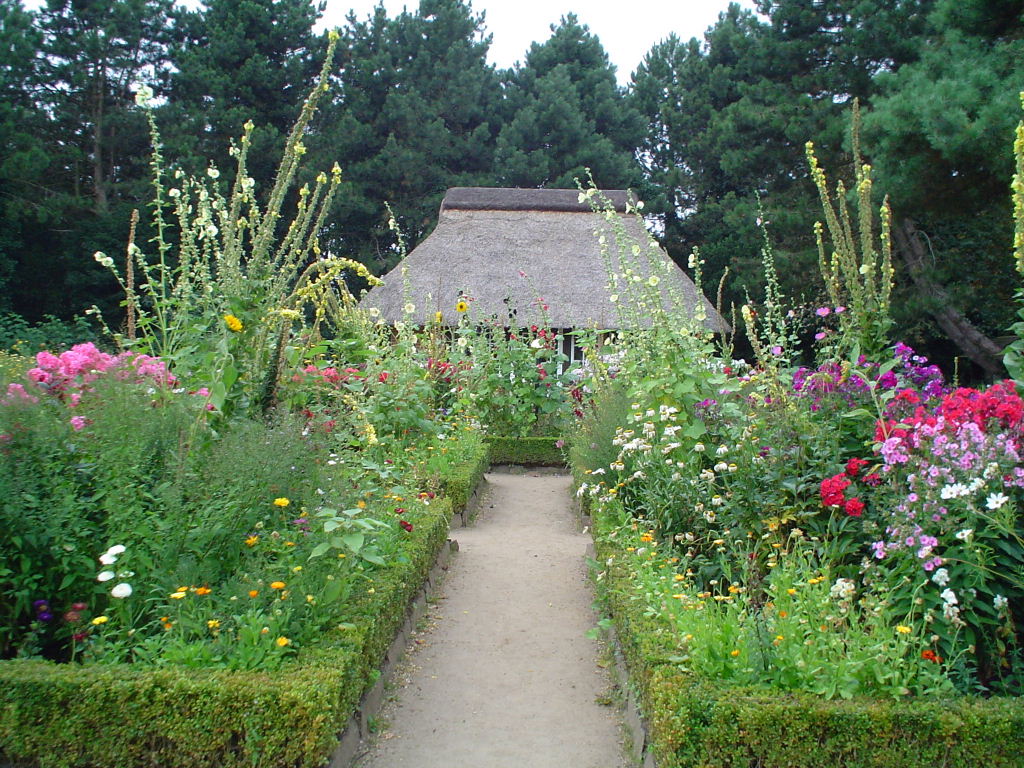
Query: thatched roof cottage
{"points": [[508, 250]]}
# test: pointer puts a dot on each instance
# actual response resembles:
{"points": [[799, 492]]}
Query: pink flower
{"points": [[819, 336], [822, 311], [77, 423], [776, 350]]}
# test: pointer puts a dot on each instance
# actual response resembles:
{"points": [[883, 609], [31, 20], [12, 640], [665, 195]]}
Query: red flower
{"points": [[406, 526], [854, 507], [854, 466], [930, 655], [383, 377], [832, 490]]}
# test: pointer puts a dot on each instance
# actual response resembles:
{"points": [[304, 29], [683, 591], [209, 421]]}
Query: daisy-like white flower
{"points": [[996, 500]]}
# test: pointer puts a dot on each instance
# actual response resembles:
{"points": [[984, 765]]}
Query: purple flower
{"points": [[776, 350], [840, 310], [823, 311], [44, 616], [819, 335]]}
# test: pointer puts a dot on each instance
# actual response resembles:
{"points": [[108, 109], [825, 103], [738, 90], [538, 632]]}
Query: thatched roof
{"points": [[509, 249]]}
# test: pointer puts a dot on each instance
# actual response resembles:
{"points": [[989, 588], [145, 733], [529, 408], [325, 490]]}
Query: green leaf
{"points": [[354, 541], [319, 549]]}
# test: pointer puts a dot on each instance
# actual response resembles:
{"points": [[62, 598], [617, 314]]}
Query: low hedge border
{"points": [[694, 722], [122, 716], [526, 451]]}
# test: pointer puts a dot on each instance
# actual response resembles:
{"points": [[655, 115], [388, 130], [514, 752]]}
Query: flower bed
{"points": [[132, 715], [694, 720]]}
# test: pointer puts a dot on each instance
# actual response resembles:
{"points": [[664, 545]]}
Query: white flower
{"points": [[536, 344], [954, 491], [721, 450], [105, 576], [965, 534], [996, 500], [121, 591], [941, 577], [653, 281], [721, 467], [613, 298], [999, 602], [949, 597], [213, 173], [174, 193], [717, 501], [699, 448], [409, 308], [843, 589]]}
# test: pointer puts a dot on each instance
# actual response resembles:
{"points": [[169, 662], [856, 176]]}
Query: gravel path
{"points": [[503, 675]]}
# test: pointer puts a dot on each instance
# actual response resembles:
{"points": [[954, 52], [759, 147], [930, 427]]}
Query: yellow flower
{"points": [[213, 624], [903, 629], [233, 323], [461, 306], [178, 595], [361, 504], [734, 653], [679, 577], [277, 585], [790, 591], [281, 502], [100, 620], [203, 591], [296, 569], [438, 318], [283, 641], [252, 541]]}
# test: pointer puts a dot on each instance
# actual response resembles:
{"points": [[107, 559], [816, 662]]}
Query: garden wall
{"points": [[125, 716], [694, 722]]}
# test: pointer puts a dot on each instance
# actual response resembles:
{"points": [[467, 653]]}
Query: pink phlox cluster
{"points": [[17, 395], [953, 465], [66, 374]]}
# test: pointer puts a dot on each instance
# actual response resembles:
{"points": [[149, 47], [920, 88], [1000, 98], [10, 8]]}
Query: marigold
{"points": [[213, 624], [903, 629], [281, 502], [203, 591], [253, 593], [233, 323], [283, 641], [100, 620], [277, 585], [734, 653], [252, 541]]}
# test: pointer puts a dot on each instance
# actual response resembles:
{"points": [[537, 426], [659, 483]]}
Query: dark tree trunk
{"points": [[972, 342]]}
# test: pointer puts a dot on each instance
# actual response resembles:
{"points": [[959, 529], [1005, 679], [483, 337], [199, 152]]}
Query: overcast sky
{"points": [[627, 30]]}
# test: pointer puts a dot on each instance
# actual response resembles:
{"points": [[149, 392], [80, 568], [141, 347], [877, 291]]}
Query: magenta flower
{"points": [[822, 311]]}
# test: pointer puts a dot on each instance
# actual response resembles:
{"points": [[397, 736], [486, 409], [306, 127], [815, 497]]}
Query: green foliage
{"points": [[51, 333]]}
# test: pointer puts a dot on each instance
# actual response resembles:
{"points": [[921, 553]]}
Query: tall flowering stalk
{"points": [[223, 307], [858, 274], [1014, 357]]}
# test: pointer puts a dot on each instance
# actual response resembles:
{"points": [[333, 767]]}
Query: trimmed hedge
{"points": [[700, 723], [128, 716], [527, 451]]}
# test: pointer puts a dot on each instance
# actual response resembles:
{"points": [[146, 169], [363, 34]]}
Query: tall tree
{"points": [[941, 132], [413, 115], [240, 60], [566, 113], [91, 55]]}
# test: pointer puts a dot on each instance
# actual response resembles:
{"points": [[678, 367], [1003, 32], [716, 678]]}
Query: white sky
{"points": [[627, 30]]}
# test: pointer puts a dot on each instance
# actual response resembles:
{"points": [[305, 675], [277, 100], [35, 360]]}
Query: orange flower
{"points": [[203, 591], [253, 592], [277, 585]]}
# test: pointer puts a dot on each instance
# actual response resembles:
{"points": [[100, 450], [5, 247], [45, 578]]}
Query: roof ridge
{"points": [[526, 199]]}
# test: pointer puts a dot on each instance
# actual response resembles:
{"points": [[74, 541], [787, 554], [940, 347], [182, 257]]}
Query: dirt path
{"points": [[504, 676]]}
